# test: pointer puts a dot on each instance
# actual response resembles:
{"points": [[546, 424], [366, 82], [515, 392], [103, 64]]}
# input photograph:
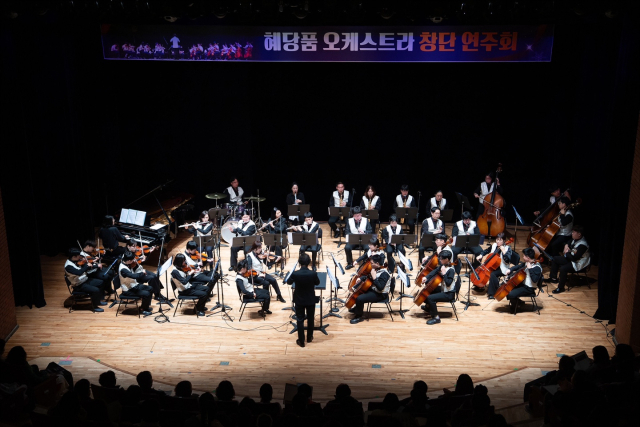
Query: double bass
{"points": [[490, 264], [491, 222], [540, 238], [513, 281]]}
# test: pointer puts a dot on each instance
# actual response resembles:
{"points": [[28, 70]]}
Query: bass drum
{"points": [[226, 234]]}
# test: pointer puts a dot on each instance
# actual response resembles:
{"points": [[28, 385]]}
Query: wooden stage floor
{"points": [[373, 357]]}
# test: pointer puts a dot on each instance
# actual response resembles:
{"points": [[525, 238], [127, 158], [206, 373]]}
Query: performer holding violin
{"points": [[139, 252], [245, 281], [295, 198], [355, 225], [132, 281], [437, 201], [277, 225], [147, 277], [575, 257], [433, 225], [445, 292], [339, 198], [191, 281], [93, 255], [390, 230], [78, 270], [244, 228], [309, 226], [485, 189], [378, 291], [196, 259], [527, 287], [505, 253], [405, 200], [254, 262], [202, 228], [110, 236]]}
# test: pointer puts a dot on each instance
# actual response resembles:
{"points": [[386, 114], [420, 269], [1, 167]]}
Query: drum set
{"points": [[234, 214]]}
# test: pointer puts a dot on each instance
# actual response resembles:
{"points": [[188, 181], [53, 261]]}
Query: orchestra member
{"points": [[254, 262], [79, 277], [248, 51], [295, 198], [158, 52], [575, 257], [465, 227], [534, 274], [374, 249], [339, 198], [404, 200], [485, 188], [110, 236], [379, 291], [446, 292], [441, 246], [244, 228], [192, 282], [304, 297], [247, 288], [433, 225], [133, 247], [356, 225], [148, 277], [203, 228], [563, 236], [191, 252], [277, 225], [556, 193], [390, 230], [370, 201], [309, 226], [505, 254], [235, 192], [437, 201], [89, 251], [132, 279]]}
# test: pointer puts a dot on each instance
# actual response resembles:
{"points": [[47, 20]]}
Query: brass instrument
{"points": [[341, 197], [404, 205]]}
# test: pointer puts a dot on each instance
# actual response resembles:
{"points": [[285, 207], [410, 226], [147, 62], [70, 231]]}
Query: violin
{"points": [[491, 222], [490, 264], [146, 250], [200, 256], [250, 273], [186, 268], [86, 260]]}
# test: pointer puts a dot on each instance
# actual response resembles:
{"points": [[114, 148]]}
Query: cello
{"points": [[361, 287], [491, 222], [363, 271], [430, 264], [541, 238], [510, 284], [426, 290], [490, 264]]}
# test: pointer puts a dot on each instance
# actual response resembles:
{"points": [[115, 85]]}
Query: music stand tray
{"points": [[322, 286], [428, 240], [359, 239], [371, 214], [298, 210], [339, 211], [243, 241], [406, 213], [271, 239], [218, 212], [404, 239], [446, 215], [304, 239]]}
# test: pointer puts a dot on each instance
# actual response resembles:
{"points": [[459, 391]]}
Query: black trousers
{"points": [[94, 287], [390, 250], [494, 282], [475, 250], [438, 296], [564, 266], [348, 249], [267, 281], [154, 283], [367, 297], [107, 279], [234, 254], [198, 290], [556, 245], [314, 251], [263, 296], [332, 222], [520, 291], [142, 291], [307, 312]]}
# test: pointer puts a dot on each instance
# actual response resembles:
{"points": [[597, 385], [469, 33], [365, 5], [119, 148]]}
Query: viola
{"points": [[490, 264], [491, 222], [510, 284], [188, 268]]}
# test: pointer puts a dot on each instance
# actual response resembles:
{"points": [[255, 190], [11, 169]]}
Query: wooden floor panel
{"points": [[373, 357]]}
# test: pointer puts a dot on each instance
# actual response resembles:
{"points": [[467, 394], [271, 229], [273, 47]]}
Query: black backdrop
{"points": [[88, 136]]}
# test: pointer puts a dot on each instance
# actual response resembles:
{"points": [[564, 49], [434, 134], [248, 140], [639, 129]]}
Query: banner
{"points": [[483, 43]]}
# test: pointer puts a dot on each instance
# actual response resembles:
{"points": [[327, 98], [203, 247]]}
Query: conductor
{"points": [[304, 296]]}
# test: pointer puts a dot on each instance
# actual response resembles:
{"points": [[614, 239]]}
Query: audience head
{"points": [[183, 389], [566, 364], [299, 402], [107, 379], [464, 385], [145, 380], [421, 386], [305, 389], [266, 393], [83, 389], [600, 355], [480, 403], [342, 391], [391, 403], [225, 391], [207, 406], [17, 355], [133, 395], [264, 420]]}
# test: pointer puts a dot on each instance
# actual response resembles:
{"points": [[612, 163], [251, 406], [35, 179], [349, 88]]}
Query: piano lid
{"points": [[170, 201]]}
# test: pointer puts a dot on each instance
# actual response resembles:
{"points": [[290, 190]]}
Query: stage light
{"points": [[170, 18]]}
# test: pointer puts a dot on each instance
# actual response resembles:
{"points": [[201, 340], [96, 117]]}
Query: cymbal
{"points": [[256, 199], [216, 196]]}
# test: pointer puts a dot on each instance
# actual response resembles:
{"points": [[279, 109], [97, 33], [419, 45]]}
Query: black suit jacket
{"points": [[305, 281]]}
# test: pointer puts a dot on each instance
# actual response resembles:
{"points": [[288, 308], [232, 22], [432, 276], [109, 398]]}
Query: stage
{"points": [[374, 357]]}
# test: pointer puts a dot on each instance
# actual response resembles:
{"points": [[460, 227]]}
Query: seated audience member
{"points": [[391, 409], [19, 370], [207, 415], [464, 386], [565, 371], [108, 380], [345, 406], [266, 406], [418, 403], [150, 412], [145, 381], [96, 410], [184, 390], [420, 386]]}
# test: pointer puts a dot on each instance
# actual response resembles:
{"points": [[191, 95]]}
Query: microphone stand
{"points": [[220, 304], [467, 266], [333, 310], [415, 230]]}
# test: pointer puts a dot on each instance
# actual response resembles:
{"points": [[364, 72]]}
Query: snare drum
{"points": [[226, 234], [233, 210], [240, 209]]}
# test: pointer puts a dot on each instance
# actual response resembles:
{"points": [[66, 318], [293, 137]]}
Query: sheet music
{"points": [[140, 217], [166, 266], [407, 263], [332, 278], [124, 215], [291, 272], [402, 276]]}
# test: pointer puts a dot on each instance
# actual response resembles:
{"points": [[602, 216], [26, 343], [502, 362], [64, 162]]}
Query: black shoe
{"points": [[103, 303], [201, 313], [280, 298], [352, 310], [433, 321], [336, 234], [357, 320], [300, 343], [550, 280], [262, 313], [147, 313], [558, 290], [267, 311], [349, 267], [231, 268], [490, 297], [98, 310], [309, 339]]}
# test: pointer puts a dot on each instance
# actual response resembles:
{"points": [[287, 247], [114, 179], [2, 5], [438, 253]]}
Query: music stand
{"points": [[372, 214], [217, 214], [428, 241], [400, 274], [462, 199], [333, 311], [161, 317], [304, 239], [446, 215], [401, 239], [465, 241], [298, 210], [322, 286], [406, 213], [340, 211], [220, 304], [274, 240], [359, 240]]}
